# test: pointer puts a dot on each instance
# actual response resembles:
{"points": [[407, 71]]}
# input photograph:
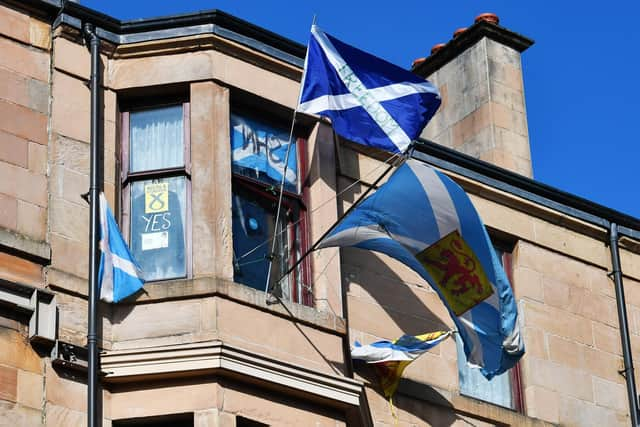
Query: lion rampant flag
{"points": [[425, 220], [390, 358]]}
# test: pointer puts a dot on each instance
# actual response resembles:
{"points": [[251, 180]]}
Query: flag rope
{"points": [[403, 158], [284, 174], [277, 220], [321, 205], [394, 414]]}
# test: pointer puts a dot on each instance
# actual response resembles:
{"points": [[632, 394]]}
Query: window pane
{"points": [[157, 227], [156, 139], [474, 384], [253, 224], [498, 391], [258, 150]]}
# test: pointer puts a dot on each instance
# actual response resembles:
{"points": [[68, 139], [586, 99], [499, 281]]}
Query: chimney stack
{"points": [[479, 74]]}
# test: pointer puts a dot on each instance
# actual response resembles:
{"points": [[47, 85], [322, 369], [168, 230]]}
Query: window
{"points": [[156, 189], [258, 151], [246, 422], [503, 390], [173, 420]]}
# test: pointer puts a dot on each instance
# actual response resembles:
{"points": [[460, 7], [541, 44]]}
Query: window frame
{"points": [[515, 374], [127, 178], [301, 293], [306, 288]]}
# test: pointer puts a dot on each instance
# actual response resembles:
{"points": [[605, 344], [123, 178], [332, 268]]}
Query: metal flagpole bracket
{"points": [[69, 356], [272, 296]]}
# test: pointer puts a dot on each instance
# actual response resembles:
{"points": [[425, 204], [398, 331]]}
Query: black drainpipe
{"points": [[93, 417], [624, 326]]}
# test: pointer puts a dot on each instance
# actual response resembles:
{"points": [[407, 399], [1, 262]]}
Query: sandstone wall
{"points": [[566, 306]]}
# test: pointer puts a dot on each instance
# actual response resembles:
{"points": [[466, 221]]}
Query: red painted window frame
{"points": [[127, 178], [515, 374], [305, 239]]}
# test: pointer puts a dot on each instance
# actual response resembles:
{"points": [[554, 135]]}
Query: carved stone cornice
{"points": [[216, 357]]}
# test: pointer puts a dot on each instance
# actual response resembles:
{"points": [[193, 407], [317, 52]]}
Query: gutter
{"points": [[182, 25], [526, 188]]}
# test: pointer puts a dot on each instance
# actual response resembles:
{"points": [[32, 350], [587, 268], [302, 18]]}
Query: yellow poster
{"points": [[156, 198], [457, 272]]}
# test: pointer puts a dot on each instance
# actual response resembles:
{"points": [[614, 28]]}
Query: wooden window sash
{"points": [[127, 178]]}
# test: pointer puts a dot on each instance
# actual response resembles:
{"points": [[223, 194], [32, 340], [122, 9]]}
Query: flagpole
{"points": [[284, 174], [277, 221], [347, 212], [93, 418]]}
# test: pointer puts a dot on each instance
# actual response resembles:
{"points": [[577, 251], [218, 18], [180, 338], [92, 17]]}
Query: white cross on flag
{"points": [[369, 100]]}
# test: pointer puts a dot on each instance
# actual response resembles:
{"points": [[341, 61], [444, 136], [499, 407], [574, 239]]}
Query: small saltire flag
{"points": [[390, 358], [119, 275], [369, 101], [425, 220]]}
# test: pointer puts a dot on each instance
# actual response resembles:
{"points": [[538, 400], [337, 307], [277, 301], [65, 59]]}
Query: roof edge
{"points": [[526, 188], [129, 31]]}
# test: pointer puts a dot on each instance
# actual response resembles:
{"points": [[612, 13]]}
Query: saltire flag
{"points": [[390, 358], [369, 101], [119, 274], [425, 220]]}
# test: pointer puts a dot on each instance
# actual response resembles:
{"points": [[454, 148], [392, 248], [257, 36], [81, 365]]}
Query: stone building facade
{"points": [[202, 346]]}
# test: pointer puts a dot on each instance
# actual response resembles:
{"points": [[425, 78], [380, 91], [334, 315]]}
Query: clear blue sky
{"points": [[580, 76]]}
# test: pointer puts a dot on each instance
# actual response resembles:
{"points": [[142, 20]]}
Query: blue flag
{"points": [[369, 101], [119, 275], [425, 220]]}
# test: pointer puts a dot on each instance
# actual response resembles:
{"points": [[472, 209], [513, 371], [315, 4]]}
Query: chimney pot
{"points": [[459, 31], [417, 62], [437, 47], [491, 18]]}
